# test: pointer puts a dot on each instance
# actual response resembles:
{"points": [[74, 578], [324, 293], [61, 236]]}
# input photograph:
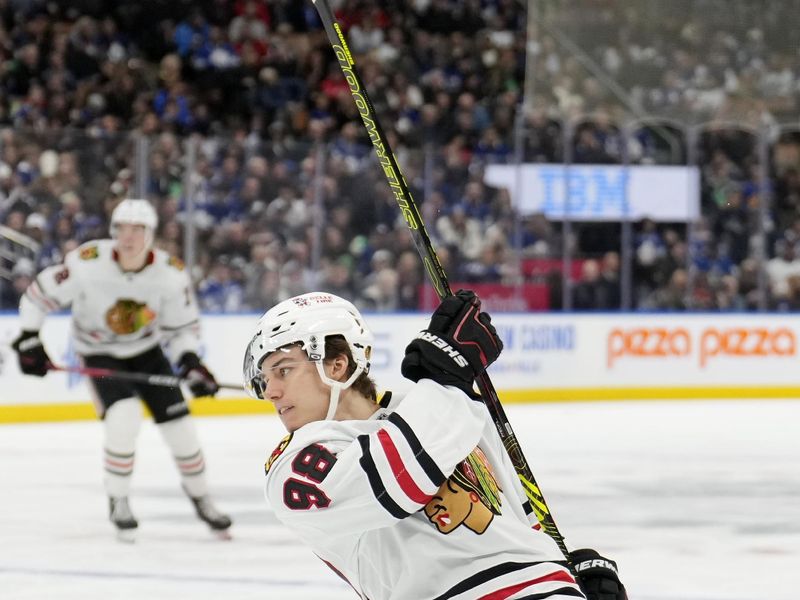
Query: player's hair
{"points": [[336, 345]]}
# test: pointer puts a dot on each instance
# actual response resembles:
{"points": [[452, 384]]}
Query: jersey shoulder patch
{"points": [[89, 252], [175, 262], [277, 452]]}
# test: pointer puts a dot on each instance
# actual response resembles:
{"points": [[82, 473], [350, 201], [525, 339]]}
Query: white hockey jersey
{"points": [[114, 312], [392, 505]]}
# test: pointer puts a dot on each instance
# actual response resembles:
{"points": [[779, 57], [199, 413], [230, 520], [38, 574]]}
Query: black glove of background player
{"points": [[33, 359], [199, 379]]}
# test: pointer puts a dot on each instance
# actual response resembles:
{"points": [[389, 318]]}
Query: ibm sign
{"points": [[601, 192]]}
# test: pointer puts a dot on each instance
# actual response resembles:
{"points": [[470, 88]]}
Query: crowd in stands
{"points": [[99, 101], [686, 59]]}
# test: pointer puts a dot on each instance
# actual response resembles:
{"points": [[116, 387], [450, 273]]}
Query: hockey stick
{"points": [[434, 268], [147, 378]]}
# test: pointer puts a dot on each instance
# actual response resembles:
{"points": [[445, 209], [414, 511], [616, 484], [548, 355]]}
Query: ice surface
{"points": [[695, 500]]}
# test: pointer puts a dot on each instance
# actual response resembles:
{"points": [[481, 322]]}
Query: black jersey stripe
{"points": [[424, 459], [565, 591], [368, 464], [385, 399], [487, 575]]}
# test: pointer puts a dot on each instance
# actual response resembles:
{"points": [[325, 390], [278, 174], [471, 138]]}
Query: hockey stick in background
{"points": [[434, 268], [147, 378]]}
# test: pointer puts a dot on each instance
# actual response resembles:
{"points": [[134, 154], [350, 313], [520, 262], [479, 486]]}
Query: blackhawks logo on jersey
{"points": [[89, 252], [470, 497], [277, 452], [176, 262], [129, 316]]}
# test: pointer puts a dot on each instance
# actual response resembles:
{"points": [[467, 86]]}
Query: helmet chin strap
{"points": [[333, 404], [336, 387]]}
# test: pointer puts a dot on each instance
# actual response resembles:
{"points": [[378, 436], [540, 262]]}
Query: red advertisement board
{"points": [[496, 297]]}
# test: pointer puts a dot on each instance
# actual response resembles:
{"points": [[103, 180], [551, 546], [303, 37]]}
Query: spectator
{"points": [[409, 280], [790, 301], [366, 35], [381, 294], [250, 27], [781, 268], [609, 282], [486, 267], [539, 237], [221, 290], [728, 296], [337, 275], [21, 277], [588, 294], [673, 297], [192, 35], [461, 231]]}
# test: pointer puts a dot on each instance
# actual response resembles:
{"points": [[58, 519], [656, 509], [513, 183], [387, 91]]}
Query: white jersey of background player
{"points": [[408, 499], [118, 311], [127, 300]]}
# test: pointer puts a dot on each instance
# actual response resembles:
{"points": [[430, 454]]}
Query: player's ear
{"points": [[338, 367]]}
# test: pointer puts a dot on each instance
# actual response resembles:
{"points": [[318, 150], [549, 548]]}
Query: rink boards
{"points": [[547, 358]]}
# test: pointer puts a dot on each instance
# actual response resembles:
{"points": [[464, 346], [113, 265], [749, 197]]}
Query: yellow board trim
{"points": [[37, 413], [526, 396], [230, 406], [81, 411]]}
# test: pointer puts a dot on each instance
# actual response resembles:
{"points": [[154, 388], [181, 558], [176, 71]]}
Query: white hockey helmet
{"points": [[137, 212], [307, 320]]}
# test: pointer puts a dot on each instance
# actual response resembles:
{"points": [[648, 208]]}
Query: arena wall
{"points": [[548, 357]]}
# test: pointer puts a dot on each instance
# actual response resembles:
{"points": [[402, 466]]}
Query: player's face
{"points": [[131, 239], [293, 385]]}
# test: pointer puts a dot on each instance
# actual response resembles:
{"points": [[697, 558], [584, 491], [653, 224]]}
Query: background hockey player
{"points": [[128, 299], [405, 499]]}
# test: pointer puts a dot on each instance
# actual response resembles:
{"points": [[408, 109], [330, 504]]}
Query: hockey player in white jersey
{"points": [[129, 300], [406, 499]]}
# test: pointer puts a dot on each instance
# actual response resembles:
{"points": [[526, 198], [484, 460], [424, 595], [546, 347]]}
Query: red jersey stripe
{"points": [[36, 294], [402, 476], [513, 589]]}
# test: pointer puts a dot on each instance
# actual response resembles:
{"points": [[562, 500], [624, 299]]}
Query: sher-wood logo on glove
{"points": [[444, 346], [594, 563]]}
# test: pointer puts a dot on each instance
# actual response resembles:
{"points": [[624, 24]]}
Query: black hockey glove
{"points": [[597, 575], [33, 359], [458, 345], [199, 379]]}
